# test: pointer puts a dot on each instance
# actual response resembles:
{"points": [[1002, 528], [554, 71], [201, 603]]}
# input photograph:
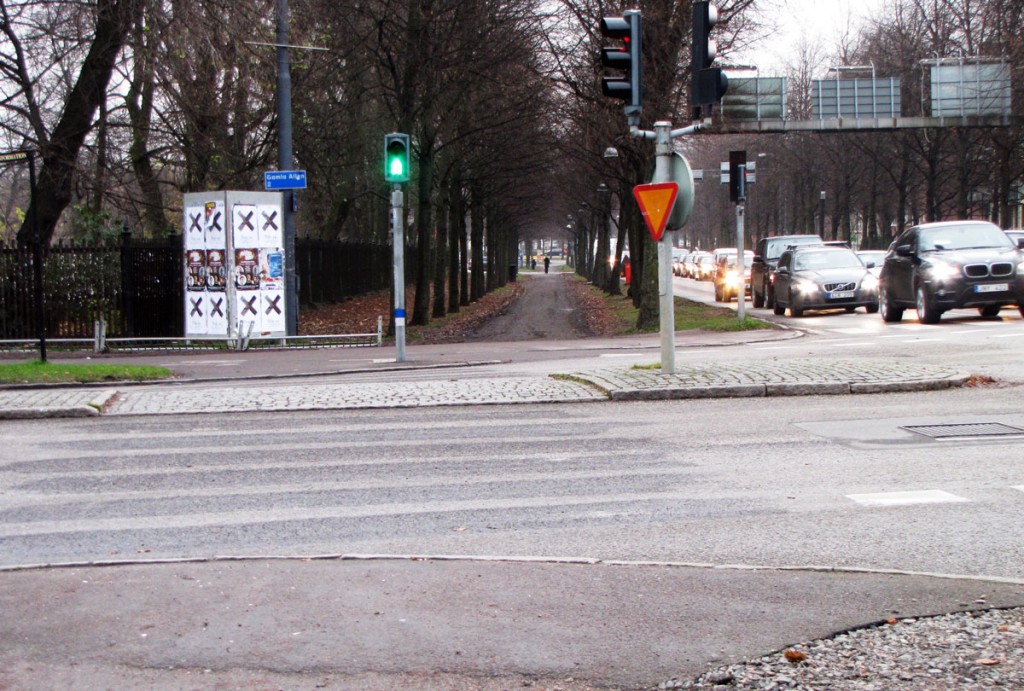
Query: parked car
{"points": [[819, 277], [727, 276], [935, 267], [766, 256]]}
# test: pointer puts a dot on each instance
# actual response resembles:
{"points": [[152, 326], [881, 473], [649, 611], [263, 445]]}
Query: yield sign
{"points": [[655, 201]]}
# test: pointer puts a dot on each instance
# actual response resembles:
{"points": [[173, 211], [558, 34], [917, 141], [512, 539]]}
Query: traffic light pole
{"points": [[741, 203], [398, 254], [662, 136]]}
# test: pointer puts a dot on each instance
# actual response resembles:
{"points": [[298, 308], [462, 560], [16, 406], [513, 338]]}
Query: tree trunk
{"points": [[60, 154]]}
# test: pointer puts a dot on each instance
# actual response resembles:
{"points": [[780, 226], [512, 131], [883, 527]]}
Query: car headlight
{"points": [[732, 278], [806, 287], [941, 271], [870, 282]]}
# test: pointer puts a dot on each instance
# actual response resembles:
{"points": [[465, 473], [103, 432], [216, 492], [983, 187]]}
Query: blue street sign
{"points": [[285, 180]]}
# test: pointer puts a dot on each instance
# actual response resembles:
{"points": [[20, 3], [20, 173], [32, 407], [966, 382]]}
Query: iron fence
{"points": [[136, 286]]}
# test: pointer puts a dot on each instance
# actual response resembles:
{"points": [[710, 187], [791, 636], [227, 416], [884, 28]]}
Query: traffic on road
{"points": [[932, 268]]}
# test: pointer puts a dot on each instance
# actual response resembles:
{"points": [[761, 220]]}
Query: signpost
{"points": [[284, 180]]}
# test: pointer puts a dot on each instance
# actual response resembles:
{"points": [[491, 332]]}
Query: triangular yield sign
{"points": [[655, 201]]}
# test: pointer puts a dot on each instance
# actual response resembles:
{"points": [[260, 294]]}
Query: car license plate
{"points": [[991, 288], [840, 294]]}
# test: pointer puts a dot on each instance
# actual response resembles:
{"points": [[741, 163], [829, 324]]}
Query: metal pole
{"points": [[666, 311], [37, 262], [821, 215], [285, 162], [741, 294], [398, 253]]}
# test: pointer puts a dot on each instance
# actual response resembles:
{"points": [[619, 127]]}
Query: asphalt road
{"points": [[819, 485]]}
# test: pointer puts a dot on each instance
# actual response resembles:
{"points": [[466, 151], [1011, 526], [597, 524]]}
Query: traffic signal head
{"points": [[708, 84], [396, 157], [627, 58]]}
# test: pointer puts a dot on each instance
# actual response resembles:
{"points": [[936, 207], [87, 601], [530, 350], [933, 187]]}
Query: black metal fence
{"points": [[136, 286]]}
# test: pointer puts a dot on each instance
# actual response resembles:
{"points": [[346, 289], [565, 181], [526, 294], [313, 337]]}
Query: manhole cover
{"points": [[973, 429]]}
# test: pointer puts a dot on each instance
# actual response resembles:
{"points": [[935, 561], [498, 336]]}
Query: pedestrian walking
{"points": [[547, 263]]}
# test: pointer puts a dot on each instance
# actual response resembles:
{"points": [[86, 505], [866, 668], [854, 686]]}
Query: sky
{"points": [[821, 20]]}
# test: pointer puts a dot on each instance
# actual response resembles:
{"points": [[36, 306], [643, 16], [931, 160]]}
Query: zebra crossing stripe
{"points": [[928, 496]]}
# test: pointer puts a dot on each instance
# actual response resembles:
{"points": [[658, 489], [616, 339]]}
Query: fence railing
{"points": [[136, 286]]}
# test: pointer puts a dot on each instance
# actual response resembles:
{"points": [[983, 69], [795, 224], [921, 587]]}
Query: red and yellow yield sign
{"points": [[655, 201]]}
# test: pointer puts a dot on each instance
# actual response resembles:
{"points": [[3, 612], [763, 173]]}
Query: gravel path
{"points": [[965, 650], [545, 311]]}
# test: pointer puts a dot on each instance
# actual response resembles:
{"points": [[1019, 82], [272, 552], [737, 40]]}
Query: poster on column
{"points": [[245, 223], [270, 226], [216, 297], [215, 225], [247, 291], [195, 228], [272, 289], [195, 292]]}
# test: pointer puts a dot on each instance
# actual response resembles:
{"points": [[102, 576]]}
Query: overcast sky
{"points": [[821, 20]]}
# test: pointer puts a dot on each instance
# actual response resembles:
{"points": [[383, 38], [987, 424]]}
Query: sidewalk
{"points": [[290, 380]]}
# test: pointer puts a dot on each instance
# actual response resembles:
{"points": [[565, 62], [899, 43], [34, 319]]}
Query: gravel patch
{"points": [[965, 650]]}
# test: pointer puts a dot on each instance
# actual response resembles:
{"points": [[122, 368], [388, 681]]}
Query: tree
{"points": [[23, 24]]}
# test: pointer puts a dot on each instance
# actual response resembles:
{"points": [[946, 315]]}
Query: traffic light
{"points": [[396, 157], [708, 84], [629, 87]]}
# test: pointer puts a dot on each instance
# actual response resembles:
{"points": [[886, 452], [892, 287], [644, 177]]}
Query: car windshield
{"points": [[814, 261], [962, 238]]}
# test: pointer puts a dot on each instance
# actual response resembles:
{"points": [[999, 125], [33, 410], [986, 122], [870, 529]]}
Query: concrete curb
{"points": [[91, 406]]}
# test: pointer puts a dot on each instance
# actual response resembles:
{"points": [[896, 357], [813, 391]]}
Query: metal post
{"points": [[285, 162], [37, 262], [741, 295], [398, 253], [666, 311], [821, 215]]}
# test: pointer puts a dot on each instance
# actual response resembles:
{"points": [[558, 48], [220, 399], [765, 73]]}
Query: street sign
{"points": [[284, 180], [655, 201], [15, 156]]}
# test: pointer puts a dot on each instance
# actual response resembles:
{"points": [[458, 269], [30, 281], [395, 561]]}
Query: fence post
{"points": [[127, 281]]}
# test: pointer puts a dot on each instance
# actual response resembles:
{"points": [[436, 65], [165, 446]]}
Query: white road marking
{"points": [[928, 496]]}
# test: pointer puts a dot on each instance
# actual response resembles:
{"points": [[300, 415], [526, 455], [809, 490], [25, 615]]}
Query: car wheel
{"points": [[794, 311], [890, 313], [758, 298], [718, 293], [777, 307], [850, 310], [769, 297], [872, 308], [927, 313], [990, 311]]}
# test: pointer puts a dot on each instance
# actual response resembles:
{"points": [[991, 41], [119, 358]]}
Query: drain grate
{"points": [[972, 429]]}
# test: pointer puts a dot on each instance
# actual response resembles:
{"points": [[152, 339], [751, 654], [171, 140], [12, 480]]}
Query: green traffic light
{"points": [[396, 168], [396, 157]]}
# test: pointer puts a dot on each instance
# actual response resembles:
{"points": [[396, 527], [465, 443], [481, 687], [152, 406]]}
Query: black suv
{"points": [[766, 257], [936, 267]]}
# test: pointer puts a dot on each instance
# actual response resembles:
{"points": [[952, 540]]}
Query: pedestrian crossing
{"points": [[912, 497]]}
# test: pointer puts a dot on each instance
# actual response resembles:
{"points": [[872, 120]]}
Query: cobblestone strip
{"points": [[42, 403], [788, 378], [166, 400]]}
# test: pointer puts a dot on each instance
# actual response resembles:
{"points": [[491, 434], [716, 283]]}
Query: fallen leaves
{"points": [[795, 656]]}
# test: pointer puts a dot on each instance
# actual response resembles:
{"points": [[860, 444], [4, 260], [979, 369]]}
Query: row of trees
{"points": [[133, 102]]}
